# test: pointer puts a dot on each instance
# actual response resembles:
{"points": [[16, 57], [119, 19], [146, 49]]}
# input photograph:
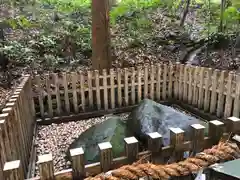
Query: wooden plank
{"points": [[236, 106], [181, 82], [66, 96], [49, 97], [229, 99], [112, 88], [220, 101], [74, 89], [126, 86], [164, 90], [152, 81], [201, 84], [59, 106], [213, 103], [176, 80], [6, 140], [40, 96], [82, 86], [119, 87], [105, 90], [207, 90], [158, 89], [133, 83], [146, 81], [190, 85], [185, 83], [90, 89], [170, 82]]}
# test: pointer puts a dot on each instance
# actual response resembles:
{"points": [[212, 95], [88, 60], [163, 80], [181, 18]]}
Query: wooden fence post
{"points": [[131, 149], [13, 171], [78, 163], [229, 100], [155, 145], [176, 140], [197, 137], [45, 163], [213, 103], [236, 106], [233, 125], [216, 130], [106, 156]]}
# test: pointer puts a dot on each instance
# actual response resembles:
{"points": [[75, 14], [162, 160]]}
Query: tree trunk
{"points": [[221, 15], [101, 47], [185, 13]]}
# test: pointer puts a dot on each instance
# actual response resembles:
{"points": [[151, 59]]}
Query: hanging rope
{"points": [[224, 151]]}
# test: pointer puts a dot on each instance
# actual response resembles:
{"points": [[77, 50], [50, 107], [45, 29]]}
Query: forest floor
{"points": [[150, 37]]}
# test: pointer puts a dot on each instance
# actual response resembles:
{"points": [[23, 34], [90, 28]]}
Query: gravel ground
{"points": [[56, 138]]}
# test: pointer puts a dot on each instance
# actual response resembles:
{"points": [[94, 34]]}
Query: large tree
{"points": [[101, 47]]}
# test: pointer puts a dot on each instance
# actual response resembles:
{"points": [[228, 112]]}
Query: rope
{"points": [[224, 151]]}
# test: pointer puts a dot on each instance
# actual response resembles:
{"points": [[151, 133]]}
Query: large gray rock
{"points": [[150, 116], [112, 130]]}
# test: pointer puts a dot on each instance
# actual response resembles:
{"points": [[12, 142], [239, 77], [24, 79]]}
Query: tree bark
{"points": [[185, 13], [101, 46]]}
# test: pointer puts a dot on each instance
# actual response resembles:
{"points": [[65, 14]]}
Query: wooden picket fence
{"points": [[155, 153], [58, 95], [17, 124]]}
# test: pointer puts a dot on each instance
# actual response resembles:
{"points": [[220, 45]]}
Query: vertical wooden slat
{"points": [[59, 106], [13, 171], [176, 140], [112, 84], [119, 81], [180, 88], [155, 146], [105, 89], [106, 156], [126, 86], [190, 85], [78, 163], [6, 141], [131, 149], [207, 90], [200, 93], [185, 83], [49, 96], [133, 83], [152, 81], [66, 96], [195, 92], [229, 100], [82, 86], [45, 163], [236, 106], [215, 131], [146, 81], [197, 137], [213, 103], [90, 89], [170, 82], [164, 89], [158, 89], [3, 148], [97, 89], [176, 80], [74, 90], [220, 101], [40, 96]]}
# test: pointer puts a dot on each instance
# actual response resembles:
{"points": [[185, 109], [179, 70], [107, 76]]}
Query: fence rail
{"points": [[214, 91], [17, 122], [155, 152]]}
